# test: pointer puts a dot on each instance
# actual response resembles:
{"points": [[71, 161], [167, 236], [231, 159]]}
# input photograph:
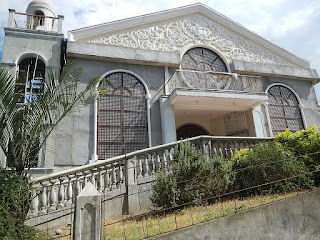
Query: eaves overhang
{"points": [[122, 54], [216, 99], [273, 70]]}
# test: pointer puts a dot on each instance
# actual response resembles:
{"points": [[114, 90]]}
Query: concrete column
{"points": [[258, 124], [60, 21], [168, 125], [87, 225], [166, 77], [11, 18], [131, 203]]}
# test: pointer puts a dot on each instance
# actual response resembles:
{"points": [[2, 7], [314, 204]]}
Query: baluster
{"points": [[123, 172], [164, 160], [85, 179], [147, 167], [210, 149], [140, 167], [69, 193], [61, 195], [113, 177], [108, 179], [53, 197], [78, 186], [93, 178], [215, 152], [153, 163], [101, 181], [158, 162], [236, 146], [44, 202], [34, 203], [118, 174]]}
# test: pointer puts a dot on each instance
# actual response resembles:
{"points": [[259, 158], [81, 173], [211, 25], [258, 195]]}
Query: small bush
{"points": [[15, 199], [191, 178], [265, 164], [305, 145]]}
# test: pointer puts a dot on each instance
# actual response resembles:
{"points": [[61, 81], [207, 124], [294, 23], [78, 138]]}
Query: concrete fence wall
{"points": [[293, 218]]}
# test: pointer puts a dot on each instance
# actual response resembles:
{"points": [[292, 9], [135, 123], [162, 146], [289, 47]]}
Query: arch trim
{"points": [[297, 97], [184, 50], [30, 55]]}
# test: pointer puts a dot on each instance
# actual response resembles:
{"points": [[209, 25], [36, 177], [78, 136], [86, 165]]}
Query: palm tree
{"points": [[26, 125]]}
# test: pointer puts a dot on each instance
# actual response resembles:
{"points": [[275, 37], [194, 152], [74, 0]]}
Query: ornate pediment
{"points": [[194, 30]]}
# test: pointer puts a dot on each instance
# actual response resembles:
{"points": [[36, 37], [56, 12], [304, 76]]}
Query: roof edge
{"points": [[98, 29]]}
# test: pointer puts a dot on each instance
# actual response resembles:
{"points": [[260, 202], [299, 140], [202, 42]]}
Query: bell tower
{"points": [[33, 47], [40, 15], [34, 34]]}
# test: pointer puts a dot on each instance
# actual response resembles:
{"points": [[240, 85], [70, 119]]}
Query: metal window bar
{"points": [[122, 116]]}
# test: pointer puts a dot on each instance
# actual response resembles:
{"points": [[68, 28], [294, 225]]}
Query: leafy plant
{"points": [[268, 163], [25, 127], [305, 145], [15, 193], [191, 178]]}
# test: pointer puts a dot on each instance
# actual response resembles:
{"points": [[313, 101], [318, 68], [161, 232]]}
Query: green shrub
{"points": [[191, 178], [305, 145], [265, 164], [15, 199]]}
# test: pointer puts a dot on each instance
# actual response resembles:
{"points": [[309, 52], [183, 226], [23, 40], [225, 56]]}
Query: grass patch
{"points": [[151, 225]]}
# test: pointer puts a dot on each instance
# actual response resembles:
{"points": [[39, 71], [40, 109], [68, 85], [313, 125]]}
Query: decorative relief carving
{"points": [[197, 30]]}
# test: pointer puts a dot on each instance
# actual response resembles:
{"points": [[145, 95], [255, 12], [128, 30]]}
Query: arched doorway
{"points": [[190, 130]]}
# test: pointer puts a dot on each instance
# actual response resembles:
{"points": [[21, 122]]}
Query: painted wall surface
{"points": [[17, 43]]}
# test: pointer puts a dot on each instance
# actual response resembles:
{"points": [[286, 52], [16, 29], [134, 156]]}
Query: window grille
{"points": [[284, 110], [122, 115], [202, 59]]}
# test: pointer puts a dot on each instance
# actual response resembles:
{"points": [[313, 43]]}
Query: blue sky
{"points": [[292, 24]]}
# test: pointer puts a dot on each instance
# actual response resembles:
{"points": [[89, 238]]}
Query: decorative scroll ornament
{"points": [[197, 30]]}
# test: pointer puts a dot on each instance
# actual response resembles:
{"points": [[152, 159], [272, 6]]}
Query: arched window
{"points": [[190, 130], [202, 59], [122, 115], [284, 110], [38, 19], [31, 73], [204, 69]]}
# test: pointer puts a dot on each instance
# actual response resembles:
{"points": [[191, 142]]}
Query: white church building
{"points": [[172, 74]]}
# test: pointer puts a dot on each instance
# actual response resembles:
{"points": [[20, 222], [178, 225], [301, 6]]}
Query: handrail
{"points": [[56, 191], [101, 163], [27, 14]]}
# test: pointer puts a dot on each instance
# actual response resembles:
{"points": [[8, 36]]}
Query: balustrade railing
{"points": [[56, 191], [35, 22], [213, 81]]}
